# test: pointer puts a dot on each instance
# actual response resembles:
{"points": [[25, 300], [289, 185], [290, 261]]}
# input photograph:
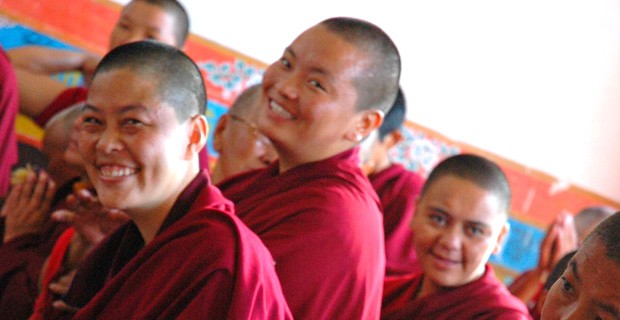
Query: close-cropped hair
{"points": [[608, 231], [394, 118], [181, 18], [178, 79], [245, 100], [482, 172], [378, 85]]}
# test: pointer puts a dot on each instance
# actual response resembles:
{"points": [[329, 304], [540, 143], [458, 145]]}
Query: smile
{"points": [[110, 171], [273, 106]]}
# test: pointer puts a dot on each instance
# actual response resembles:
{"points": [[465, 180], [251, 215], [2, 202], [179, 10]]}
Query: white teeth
{"points": [[280, 111], [115, 172]]}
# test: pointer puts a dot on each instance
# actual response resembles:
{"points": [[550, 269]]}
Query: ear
{"points": [[198, 133], [218, 139], [365, 122], [392, 139], [502, 238]]}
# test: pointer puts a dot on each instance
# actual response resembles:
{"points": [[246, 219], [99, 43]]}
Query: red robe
{"points": [[484, 298], [322, 223], [9, 107], [22, 258], [398, 188], [203, 262], [43, 308]]}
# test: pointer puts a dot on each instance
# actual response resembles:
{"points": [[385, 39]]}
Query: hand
{"points": [[92, 223], [27, 205], [60, 287], [561, 238], [88, 67]]}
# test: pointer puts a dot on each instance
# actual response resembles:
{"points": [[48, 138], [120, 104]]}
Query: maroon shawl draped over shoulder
{"points": [[322, 223], [398, 189], [203, 263], [484, 298]]}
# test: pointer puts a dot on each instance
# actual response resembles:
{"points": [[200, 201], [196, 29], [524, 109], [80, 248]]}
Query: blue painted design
{"points": [[13, 35], [214, 111], [231, 77], [522, 247]]}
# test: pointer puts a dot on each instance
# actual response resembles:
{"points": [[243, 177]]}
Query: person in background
{"points": [[42, 96], [184, 252], [590, 285], [238, 141], [29, 233], [559, 240], [584, 221], [314, 208], [397, 187], [461, 219]]}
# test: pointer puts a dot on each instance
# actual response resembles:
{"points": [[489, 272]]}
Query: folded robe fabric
{"points": [[398, 189], [484, 298], [22, 258], [322, 223], [203, 263]]}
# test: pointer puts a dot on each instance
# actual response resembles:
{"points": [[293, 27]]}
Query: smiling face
{"points": [[308, 109], [140, 20], [134, 150], [457, 226], [588, 289]]}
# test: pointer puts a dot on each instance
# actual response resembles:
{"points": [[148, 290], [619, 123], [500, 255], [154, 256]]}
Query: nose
{"points": [[269, 154], [450, 238], [287, 86], [109, 141], [577, 312]]}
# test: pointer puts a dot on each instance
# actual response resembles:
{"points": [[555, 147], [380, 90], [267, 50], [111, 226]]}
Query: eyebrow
{"points": [[320, 71], [573, 267], [122, 110], [609, 309]]}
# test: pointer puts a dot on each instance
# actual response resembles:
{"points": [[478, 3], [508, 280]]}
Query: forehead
{"points": [[600, 275], [123, 87], [463, 199], [151, 16], [322, 50]]}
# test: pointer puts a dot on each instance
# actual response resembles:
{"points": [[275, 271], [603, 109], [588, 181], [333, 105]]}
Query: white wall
{"points": [[534, 81]]}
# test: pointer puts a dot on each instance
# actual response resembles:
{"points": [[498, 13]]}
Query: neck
{"points": [[149, 219]]}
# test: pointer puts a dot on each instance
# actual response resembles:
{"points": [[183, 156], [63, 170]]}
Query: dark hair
{"points": [[608, 231], [181, 19], [589, 217], [178, 79], [394, 118], [377, 87], [481, 171]]}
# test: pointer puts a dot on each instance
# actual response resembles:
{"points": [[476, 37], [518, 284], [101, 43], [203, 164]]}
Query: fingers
{"points": [[62, 284], [62, 306], [63, 215]]}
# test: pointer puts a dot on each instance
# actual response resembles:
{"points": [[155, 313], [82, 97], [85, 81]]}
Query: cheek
{"points": [[115, 38], [553, 306]]}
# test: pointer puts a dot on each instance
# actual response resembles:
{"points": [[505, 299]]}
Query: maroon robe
{"points": [[398, 189], [22, 258], [322, 223], [9, 107], [484, 298], [203, 263]]}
